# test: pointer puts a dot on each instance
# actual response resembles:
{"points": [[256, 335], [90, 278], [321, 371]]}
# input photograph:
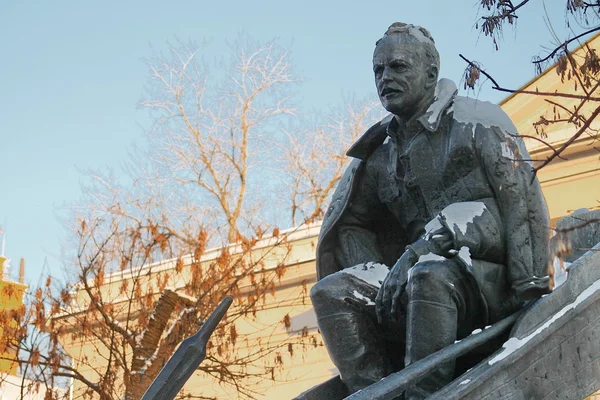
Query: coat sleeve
{"points": [[356, 231], [522, 209], [345, 236]]}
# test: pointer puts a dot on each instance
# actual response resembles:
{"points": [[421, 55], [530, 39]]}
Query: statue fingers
{"points": [[383, 300], [395, 302], [379, 304], [386, 299]]}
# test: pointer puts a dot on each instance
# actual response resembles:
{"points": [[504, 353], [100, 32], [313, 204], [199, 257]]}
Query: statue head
{"points": [[406, 65]]}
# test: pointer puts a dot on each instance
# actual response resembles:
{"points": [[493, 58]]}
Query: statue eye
{"points": [[378, 70], [398, 65]]}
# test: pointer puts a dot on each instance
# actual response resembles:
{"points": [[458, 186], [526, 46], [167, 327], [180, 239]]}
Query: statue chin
{"points": [[394, 103]]}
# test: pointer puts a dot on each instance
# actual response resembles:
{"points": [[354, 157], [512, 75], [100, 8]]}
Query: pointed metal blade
{"points": [[186, 359]]}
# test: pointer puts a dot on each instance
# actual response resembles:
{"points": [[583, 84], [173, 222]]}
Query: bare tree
{"points": [[315, 157], [124, 315], [141, 280], [574, 61], [210, 135]]}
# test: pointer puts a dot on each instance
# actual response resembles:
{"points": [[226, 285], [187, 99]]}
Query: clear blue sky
{"points": [[71, 76]]}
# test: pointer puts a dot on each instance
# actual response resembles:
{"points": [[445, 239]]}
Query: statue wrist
{"points": [[420, 248]]}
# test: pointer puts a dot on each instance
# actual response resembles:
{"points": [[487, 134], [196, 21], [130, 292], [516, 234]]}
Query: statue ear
{"points": [[432, 76]]}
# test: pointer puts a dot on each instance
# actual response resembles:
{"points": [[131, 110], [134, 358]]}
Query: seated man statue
{"points": [[442, 191]]}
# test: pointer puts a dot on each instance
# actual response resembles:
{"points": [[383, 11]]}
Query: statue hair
{"points": [[419, 35]]}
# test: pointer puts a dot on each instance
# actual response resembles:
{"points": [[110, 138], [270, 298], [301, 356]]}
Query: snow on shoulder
{"points": [[471, 111]]}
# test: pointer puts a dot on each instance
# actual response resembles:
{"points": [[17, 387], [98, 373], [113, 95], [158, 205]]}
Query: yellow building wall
{"points": [[304, 369], [573, 182], [11, 298]]}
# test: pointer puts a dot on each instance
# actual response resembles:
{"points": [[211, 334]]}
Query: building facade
{"points": [[569, 183]]}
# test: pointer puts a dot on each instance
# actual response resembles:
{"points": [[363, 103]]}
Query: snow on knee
{"points": [[371, 272]]}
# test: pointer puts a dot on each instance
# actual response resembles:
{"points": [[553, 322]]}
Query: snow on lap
{"points": [[372, 273]]}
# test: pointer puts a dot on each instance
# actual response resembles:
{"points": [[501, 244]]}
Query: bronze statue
{"points": [[442, 192]]}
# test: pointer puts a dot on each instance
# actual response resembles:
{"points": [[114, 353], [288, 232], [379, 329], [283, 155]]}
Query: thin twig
{"points": [[580, 132], [565, 43], [535, 93]]}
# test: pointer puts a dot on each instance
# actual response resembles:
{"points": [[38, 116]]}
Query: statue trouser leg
{"points": [[443, 305], [345, 311]]}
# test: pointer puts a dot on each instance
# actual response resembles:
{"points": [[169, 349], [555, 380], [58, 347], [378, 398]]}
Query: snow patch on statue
{"points": [[513, 344], [364, 298], [432, 226], [465, 256], [458, 215], [471, 111], [431, 257], [507, 151], [372, 273], [415, 32], [445, 91]]}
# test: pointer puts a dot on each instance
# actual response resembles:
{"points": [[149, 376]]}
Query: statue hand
{"points": [[388, 297], [438, 242]]}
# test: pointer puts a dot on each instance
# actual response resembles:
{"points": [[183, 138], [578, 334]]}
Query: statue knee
{"points": [[429, 281], [332, 288]]}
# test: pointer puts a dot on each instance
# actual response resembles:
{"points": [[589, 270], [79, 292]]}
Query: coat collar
{"points": [[445, 92]]}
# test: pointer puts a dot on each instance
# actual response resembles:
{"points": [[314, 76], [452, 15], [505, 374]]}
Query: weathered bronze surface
{"points": [[439, 192]]}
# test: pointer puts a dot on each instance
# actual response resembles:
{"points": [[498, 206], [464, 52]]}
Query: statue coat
{"points": [[466, 152]]}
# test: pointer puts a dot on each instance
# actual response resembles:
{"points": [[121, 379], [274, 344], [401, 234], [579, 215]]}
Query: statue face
{"points": [[402, 77]]}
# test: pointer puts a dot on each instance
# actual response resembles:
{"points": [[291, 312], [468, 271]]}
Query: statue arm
{"points": [[511, 180], [475, 224], [356, 231]]}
